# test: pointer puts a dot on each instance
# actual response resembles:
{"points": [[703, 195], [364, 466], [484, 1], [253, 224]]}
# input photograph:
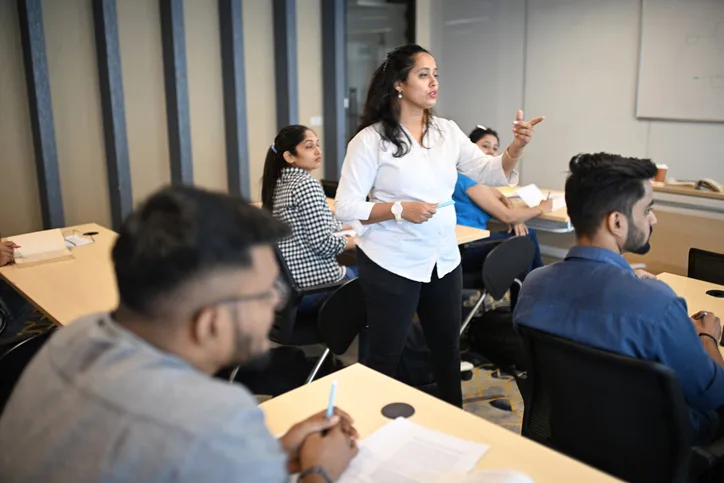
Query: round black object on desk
{"points": [[716, 293], [398, 410]]}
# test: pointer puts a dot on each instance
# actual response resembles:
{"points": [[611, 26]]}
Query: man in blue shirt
{"points": [[595, 298]]}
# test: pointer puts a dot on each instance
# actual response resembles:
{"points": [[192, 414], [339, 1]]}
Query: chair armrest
{"points": [[327, 287], [480, 243]]}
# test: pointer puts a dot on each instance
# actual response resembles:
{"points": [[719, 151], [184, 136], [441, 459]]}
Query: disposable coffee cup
{"points": [[661, 170]]}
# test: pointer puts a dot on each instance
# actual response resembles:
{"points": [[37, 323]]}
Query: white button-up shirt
{"points": [[426, 174]]}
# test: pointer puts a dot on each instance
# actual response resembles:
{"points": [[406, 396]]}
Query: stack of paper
{"points": [[402, 451], [40, 247], [532, 196]]}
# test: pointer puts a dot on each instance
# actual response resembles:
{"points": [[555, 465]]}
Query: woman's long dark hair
{"points": [[382, 104], [287, 140]]}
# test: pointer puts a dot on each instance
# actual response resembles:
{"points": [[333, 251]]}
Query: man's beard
{"points": [[245, 354], [636, 241]]}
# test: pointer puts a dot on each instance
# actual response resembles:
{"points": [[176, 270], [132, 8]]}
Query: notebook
{"points": [[40, 247]]}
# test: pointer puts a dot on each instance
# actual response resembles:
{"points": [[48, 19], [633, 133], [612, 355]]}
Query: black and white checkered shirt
{"points": [[311, 251]]}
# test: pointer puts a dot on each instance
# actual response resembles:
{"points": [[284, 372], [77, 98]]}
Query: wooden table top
{"points": [[694, 292], [68, 289], [559, 216], [363, 392]]}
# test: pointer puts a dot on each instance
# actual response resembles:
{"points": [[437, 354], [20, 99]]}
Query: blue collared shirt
{"points": [[595, 298]]}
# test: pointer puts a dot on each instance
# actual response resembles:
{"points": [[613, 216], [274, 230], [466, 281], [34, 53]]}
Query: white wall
{"points": [[578, 62]]}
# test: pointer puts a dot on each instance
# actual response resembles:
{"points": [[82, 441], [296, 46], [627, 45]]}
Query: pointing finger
{"points": [[537, 120]]}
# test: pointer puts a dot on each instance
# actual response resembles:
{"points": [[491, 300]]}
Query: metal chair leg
{"points": [[317, 366], [233, 374], [473, 312]]}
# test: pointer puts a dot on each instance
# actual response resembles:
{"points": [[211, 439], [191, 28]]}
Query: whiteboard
{"points": [[681, 63]]}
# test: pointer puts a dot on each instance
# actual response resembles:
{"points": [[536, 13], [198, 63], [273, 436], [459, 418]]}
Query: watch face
{"points": [[396, 209]]}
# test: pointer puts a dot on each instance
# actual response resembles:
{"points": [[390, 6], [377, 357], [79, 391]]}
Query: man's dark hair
{"points": [[602, 183], [180, 233]]}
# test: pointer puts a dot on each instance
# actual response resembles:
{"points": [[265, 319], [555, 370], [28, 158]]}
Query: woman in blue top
{"points": [[475, 204]]}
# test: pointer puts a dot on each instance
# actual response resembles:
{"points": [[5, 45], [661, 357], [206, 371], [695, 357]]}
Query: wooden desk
{"points": [[464, 234], [363, 392], [687, 191], [555, 222], [68, 289], [694, 292]]}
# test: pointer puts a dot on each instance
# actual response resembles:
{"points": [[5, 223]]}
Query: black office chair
{"points": [[503, 265], [340, 318], [13, 360], [290, 326], [624, 416], [330, 187], [706, 266]]}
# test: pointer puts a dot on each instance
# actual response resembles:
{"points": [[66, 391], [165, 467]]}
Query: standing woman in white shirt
{"points": [[407, 160]]}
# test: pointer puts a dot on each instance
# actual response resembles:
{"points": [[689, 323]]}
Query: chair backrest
{"points": [[330, 187], [505, 263], [342, 317], [286, 317], [625, 416], [706, 266], [14, 361]]}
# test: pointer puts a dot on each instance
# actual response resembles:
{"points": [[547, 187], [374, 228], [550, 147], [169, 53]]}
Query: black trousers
{"points": [[391, 303]]}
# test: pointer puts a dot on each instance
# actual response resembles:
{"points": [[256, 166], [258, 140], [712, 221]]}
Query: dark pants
{"points": [[391, 303], [474, 257], [16, 307], [310, 304]]}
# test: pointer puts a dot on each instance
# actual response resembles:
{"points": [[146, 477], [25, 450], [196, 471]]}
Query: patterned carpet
{"points": [[37, 323], [494, 396]]}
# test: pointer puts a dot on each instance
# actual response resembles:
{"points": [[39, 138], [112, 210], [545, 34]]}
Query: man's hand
{"points": [[707, 323], [331, 452], [7, 252], [295, 437], [643, 274], [418, 211]]}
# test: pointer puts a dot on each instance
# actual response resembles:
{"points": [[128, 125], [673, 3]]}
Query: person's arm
{"points": [[238, 444], [697, 362], [487, 199], [358, 176], [488, 170], [708, 327], [480, 167], [317, 219]]}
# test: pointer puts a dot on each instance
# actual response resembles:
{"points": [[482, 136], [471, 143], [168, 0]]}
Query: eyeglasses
{"points": [[280, 290]]}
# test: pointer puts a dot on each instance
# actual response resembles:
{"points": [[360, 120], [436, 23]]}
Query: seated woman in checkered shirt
{"points": [[291, 193]]}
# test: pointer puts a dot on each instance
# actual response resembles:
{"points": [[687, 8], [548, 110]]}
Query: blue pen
{"points": [[332, 392], [447, 203]]}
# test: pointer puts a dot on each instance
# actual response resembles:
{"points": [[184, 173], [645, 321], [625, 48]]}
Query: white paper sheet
{"points": [[73, 241], [532, 196], [346, 233], [404, 452]]}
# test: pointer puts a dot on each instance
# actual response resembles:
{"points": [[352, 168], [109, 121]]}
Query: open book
{"points": [[40, 247]]}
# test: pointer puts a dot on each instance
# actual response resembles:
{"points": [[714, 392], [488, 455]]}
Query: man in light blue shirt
{"points": [[129, 396], [595, 298]]}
